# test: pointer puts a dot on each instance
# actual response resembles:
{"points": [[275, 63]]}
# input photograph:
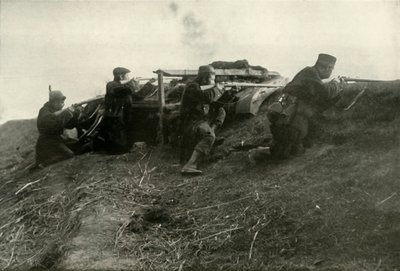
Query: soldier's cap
{"points": [[327, 59], [120, 71], [206, 69], [56, 95]]}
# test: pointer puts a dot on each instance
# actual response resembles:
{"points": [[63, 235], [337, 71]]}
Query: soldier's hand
{"points": [[220, 86], [71, 108], [336, 80], [340, 83]]}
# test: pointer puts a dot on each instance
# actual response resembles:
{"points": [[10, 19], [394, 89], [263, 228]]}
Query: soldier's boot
{"points": [[259, 154], [190, 168]]}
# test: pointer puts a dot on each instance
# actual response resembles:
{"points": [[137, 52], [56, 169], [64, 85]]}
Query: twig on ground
{"points": [[388, 198], [378, 265], [15, 239], [86, 204], [181, 266], [11, 257], [29, 184], [119, 232], [212, 206], [252, 244], [218, 233]]}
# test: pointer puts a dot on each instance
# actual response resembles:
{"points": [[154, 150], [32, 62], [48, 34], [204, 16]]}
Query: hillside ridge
{"points": [[335, 208]]}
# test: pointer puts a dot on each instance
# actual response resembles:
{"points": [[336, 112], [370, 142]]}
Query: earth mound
{"points": [[334, 208]]}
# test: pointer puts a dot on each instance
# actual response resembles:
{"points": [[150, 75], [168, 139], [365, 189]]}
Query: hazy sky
{"points": [[74, 45]]}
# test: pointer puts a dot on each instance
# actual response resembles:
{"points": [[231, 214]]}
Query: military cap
{"points": [[326, 58], [56, 95], [120, 71], [206, 69]]}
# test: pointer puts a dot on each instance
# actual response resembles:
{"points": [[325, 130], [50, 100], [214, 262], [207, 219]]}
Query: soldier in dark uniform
{"points": [[303, 98], [120, 93], [51, 122], [197, 123]]}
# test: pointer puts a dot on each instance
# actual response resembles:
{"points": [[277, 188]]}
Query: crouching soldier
{"points": [[303, 99], [51, 147], [198, 124]]}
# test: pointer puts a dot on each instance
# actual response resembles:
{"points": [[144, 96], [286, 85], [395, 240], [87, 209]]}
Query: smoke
{"points": [[174, 8], [195, 36]]}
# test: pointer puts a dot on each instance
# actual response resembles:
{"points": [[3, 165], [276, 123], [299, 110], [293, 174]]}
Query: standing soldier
{"points": [[51, 122], [197, 123], [303, 98], [120, 93]]}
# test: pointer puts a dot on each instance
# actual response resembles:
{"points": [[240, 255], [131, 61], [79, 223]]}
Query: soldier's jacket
{"points": [[51, 125], [309, 89], [120, 96], [50, 146], [290, 116], [195, 102]]}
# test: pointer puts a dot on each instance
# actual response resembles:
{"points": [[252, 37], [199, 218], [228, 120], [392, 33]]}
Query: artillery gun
{"points": [[155, 118]]}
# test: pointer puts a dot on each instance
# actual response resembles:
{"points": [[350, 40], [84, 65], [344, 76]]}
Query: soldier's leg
{"points": [[187, 143], [219, 118], [59, 152], [116, 136], [298, 131], [217, 122], [280, 131], [206, 137], [313, 130], [203, 147]]}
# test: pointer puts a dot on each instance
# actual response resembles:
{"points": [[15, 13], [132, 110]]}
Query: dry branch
{"points": [[252, 244], [212, 206], [388, 198], [218, 233], [29, 184]]}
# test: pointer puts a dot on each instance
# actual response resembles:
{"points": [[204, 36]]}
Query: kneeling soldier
{"points": [[303, 98], [51, 122], [197, 123]]}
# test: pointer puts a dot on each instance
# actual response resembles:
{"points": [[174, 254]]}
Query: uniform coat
{"points": [[50, 146], [196, 119], [308, 95]]}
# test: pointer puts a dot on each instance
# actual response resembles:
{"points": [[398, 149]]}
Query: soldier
{"points": [[120, 93], [51, 122], [303, 98], [197, 123]]}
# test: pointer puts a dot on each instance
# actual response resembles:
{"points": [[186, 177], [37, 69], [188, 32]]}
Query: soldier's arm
{"points": [[333, 90], [211, 93], [53, 122]]}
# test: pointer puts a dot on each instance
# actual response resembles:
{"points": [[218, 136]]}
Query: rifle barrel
{"points": [[361, 80], [90, 100], [251, 85]]}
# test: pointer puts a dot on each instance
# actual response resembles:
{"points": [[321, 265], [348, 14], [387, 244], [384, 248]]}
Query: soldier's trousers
{"points": [[288, 136], [115, 134], [198, 135], [52, 149]]}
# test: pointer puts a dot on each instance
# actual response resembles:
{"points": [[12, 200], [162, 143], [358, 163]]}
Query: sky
{"points": [[74, 45]]}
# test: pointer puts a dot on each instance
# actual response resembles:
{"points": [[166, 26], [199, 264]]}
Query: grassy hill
{"points": [[334, 208]]}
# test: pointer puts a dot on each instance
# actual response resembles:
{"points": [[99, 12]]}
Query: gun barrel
{"points": [[251, 85], [349, 79], [90, 100]]}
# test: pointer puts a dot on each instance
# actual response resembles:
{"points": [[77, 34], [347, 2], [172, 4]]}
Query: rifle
{"points": [[359, 80], [362, 91], [99, 97]]}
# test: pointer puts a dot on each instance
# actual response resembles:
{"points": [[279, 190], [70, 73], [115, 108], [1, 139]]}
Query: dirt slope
{"points": [[335, 208]]}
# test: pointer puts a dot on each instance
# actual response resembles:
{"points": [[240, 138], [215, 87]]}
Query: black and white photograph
{"points": [[192, 135]]}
